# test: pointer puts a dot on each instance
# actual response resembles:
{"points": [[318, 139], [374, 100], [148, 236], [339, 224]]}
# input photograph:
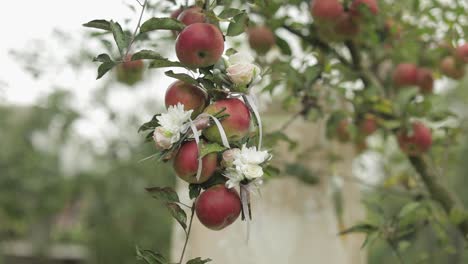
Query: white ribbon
{"points": [[250, 101], [197, 140], [245, 202]]}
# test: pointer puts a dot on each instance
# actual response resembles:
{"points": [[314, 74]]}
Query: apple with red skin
{"points": [[357, 4], [342, 130], [261, 39], [175, 14], [368, 125], [218, 207], [192, 15], [425, 80], [186, 163], [199, 45], [416, 143], [346, 26], [462, 53], [130, 72], [236, 125], [191, 96], [451, 68], [326, 10], [405, 74]]}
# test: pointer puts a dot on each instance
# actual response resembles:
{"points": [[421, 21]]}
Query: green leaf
{"points": [[119, 36], [198, 261], [409, 209], [146, 55], [150, 257], [104, 68], [360, 228], [194, 190], [271, 171], [152, 124], [210, 148], [163, 62], [164, 23], [167, 194], [458, 216], [99, 24], [229, 12], [182, 76], [303, 173], [102, 58], [237, 26], [179, 215], [230, 52], [283, 46]]}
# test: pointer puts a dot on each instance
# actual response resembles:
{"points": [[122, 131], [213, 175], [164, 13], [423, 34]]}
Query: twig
{"points": [[139, 2], [395, 251], [187, 235], [137, 27]]}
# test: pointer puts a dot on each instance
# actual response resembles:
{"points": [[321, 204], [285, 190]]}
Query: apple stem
{"points": [[143, 7], [187, 234]]}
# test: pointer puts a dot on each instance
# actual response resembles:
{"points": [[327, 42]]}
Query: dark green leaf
{"points": [[301, 172], [146, 55], [150, 257], [104, 68], [166, 194], [152, 124], [179, 215], [163, 62], [360, 228], [164, 23], [99, 24], [103, 58], [194, 190], [119, 36], [237, 26], [210, 148], [283, 45], [182, 76], [229, 12], [230, 52], [198, 261]]}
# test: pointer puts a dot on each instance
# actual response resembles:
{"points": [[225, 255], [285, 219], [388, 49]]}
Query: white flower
{"points": [[242, 71], [172, 124], [234, 178], [251, 156], [251, 171], [229, 156]]}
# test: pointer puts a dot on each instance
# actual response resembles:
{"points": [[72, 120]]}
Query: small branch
{"points": [[137, 27], [188, 206], [139, 3], [187, 235], [395, 251], [437, 191]]}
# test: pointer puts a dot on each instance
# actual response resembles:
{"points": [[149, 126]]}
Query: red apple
{"points": [[236, 125], [200, 45], [462, 53], [405, 74], [218, 207], [326, 10], [418, 142], [192, 15], [175, 14], [368, 125], [186, 163], [425, 80], [346, 26], [261, 39], [357, 5], [450, 68], [130, 72], [191, 96]]}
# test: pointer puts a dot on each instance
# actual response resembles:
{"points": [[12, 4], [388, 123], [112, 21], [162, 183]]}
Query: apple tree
{"points": [[370, 68]]}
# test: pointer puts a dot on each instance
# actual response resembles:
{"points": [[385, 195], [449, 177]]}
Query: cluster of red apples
{"points": [[201, 45]]}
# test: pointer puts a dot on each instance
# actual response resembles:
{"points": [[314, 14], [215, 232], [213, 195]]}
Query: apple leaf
{"points": [[237, 26], [146, 55], [182, 76], [104, 68], [153, 123], [283, 46], [229, 12], [194, 190], [103, 58], [149, 256], [210, 148], [99, 24], [198, 261], [167, 194], [179, 215], [164, 23], [163, 62], [360, 228], [120, 37]]}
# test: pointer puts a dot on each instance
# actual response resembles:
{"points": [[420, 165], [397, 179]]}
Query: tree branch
{"points": [[187, 235]]}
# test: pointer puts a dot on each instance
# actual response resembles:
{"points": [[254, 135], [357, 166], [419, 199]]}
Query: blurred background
{"points": [[73, 168]]}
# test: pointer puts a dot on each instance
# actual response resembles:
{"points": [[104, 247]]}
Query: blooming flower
{"points": [[242, 71], [172, 124], [245, 163]]}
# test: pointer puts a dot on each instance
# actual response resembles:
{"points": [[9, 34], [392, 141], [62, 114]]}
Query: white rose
{"points": [[234, 178], [162, 138], [242, 70], [229, 157], [240, 57], [251, 171]]}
